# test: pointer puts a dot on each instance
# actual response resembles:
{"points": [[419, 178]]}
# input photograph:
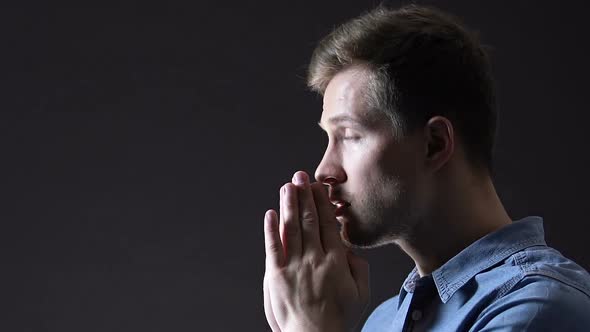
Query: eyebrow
{"points": [[342, 118]]}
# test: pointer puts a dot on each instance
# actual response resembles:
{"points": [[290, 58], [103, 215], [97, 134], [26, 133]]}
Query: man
{"points": [[410, 115]]}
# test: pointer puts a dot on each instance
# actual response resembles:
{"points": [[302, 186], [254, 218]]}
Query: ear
{"points": [[440, 142]]}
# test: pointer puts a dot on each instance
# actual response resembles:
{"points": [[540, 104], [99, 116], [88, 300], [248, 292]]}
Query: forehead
{"points": [[346, 95]]}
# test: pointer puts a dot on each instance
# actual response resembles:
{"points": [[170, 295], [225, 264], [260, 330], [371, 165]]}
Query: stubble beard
{"points": [[382, 215]]}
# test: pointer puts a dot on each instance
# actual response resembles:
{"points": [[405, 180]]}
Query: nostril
{"points": [[330, 181]]}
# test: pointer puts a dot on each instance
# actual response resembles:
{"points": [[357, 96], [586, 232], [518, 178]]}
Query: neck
{"points": [[467, 211]]}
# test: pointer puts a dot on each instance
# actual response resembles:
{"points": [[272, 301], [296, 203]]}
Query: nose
{"points": [[330, 170]]}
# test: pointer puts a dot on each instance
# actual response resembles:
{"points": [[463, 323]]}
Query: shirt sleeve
{"points": [[537, 303]]}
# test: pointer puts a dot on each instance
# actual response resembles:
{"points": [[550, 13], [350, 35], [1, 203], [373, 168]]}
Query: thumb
{"points": [[359, 268]]}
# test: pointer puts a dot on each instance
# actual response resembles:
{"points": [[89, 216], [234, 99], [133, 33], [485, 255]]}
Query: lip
{"points": [[341, 208]]}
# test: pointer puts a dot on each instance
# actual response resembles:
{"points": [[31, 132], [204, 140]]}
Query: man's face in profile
{"points": [[367, 166]]}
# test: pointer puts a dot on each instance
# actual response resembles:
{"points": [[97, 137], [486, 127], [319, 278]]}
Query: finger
{"points": [[310, 232], [268, 312], [359, 269], [281, 219], [275, 256], [291, 235], [328, 225]]}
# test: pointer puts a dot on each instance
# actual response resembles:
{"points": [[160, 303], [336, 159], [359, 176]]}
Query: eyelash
{"points": [[350, 138], [347, 138]]}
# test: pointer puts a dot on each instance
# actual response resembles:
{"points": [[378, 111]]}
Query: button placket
{"points": [[416, 314], [423, 292]]}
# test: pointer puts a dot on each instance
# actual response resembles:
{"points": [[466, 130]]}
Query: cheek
{"points": [[377, 159], [398, 160], [360, 163], [367, 171]]}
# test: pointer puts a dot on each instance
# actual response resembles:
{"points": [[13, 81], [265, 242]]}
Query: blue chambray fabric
{"points": [[508, 280]]}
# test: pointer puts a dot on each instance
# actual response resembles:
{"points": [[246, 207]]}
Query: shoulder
{"points": [[516, 269], [552, 293], [382, 315], [548, 262]]}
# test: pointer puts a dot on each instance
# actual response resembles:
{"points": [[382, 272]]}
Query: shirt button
{"points": [[416, 314]]}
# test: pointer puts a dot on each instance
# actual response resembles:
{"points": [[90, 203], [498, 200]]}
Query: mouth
{"points": [[341, 208]]}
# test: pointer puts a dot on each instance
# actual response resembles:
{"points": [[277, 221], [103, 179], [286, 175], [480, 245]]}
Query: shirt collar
{"points": [[482, 254]]}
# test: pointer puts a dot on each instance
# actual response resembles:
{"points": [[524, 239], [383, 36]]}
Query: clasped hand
{"points": [[312, 281]]}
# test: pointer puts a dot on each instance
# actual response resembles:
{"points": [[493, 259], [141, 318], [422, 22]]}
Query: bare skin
{"points": [[418, 192], [312, 281]]}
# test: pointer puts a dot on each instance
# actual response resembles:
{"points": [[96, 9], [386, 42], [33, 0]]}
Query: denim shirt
{"points": [[509, 280]]}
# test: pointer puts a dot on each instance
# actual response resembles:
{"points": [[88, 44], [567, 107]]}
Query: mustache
{"points": [[339, 194]]}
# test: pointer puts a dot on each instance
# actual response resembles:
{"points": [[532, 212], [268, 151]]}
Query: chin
{"points": [[354, 238], [353, 235]]}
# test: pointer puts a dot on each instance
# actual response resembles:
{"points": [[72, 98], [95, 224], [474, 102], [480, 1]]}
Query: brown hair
{"points": [[422, 63]]}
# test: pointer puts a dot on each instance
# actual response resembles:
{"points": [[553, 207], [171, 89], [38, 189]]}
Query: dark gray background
{"points": [[141, 145]]}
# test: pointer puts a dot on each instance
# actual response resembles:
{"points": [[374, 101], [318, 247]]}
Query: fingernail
{"points": [[299, 178]]}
